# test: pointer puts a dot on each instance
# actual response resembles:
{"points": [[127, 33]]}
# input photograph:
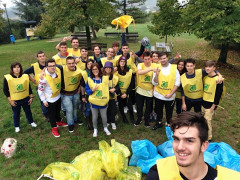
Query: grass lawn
{"points": [[38, 148]]}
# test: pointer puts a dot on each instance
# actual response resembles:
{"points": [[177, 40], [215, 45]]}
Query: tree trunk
{"points": [[223, 54], [89, 43], [93, 32]]}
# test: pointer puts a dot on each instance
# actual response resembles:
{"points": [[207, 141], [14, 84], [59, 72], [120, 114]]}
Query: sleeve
{"points": [[218, 94], [117, 89], [41, 87], [88, 90], [154, 84], [140, 52], [139, 60], [152, 174], [29, 70], [82, 82], [6, 88], [131, 86], [171, 61], [123, 41], [177, 79], [30, 89], [62, 78]]}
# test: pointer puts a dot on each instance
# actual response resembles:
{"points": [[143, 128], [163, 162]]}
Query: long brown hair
{"points": [[125, 69], [13, 65], [100, 74]]}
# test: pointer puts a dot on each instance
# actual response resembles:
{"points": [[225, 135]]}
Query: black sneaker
{"points": [[71, 128], [137, 123], [64, 113], [147, 125], [79, 122], [156, 126]]}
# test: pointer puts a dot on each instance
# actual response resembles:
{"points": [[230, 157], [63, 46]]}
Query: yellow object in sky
{"points": [[123, 21]]}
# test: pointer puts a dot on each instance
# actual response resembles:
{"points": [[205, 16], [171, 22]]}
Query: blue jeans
{"points": [[71, 104], [17, 109]]}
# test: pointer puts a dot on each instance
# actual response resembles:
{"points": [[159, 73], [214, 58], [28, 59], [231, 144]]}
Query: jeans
{"points": [[17, 109], [70, 104], [103, 113]]}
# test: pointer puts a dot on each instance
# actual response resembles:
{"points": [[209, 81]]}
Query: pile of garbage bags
{"points": [[103, 164]]}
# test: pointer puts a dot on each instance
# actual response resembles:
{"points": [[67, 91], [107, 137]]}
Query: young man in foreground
{"points": [[190, 140]]}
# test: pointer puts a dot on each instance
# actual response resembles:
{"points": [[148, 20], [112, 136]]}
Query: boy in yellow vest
{"points": [[49, 88], [81, 61], [60, 57], [166, 80], [212, 94], [190, 140]]}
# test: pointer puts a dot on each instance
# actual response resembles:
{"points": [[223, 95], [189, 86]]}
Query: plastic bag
{"points": [[8, 148], [211, 159], [113, 159], [131, 173], [169, 133], [146, 165], [166, 149], [120, 147]]}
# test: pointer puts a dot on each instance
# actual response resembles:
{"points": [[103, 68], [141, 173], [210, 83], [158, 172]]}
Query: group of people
{"points": [[104, 81]]}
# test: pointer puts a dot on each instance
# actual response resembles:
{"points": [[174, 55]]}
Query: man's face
{"points": [[110, 52], [41, 58], [116, 48], [71, 64], [51, 67], [210, 69], [75, 44], [84, 53], [187, 146], [125, 49], [164, 60], [96, 50], [147, 60], [63, 49], [190, 67], [155, 58]]}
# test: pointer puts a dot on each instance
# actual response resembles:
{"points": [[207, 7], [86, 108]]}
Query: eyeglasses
{"points": [[52, 66]]}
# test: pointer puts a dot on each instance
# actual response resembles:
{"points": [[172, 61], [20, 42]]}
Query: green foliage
{"points": [[29, 10]]}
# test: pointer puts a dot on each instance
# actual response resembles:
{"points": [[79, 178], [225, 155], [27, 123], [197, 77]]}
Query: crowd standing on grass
{"points": [[112, 80]]}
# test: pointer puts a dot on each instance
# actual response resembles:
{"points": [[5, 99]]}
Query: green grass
{"points": [[38, 148]]}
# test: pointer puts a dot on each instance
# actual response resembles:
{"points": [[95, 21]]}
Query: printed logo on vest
{"points": [[147, 78], [58, 85], [99, 93], [193, 87], [75, 175], [74, 80], [121, 84], [19, 87], [206, 87], [129, 66], [164, 84]]}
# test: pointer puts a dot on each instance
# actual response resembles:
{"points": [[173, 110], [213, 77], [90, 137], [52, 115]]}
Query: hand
{"points": [[211, 110], [157, 71], [13, 103], [178, 55], [112, 90], [45, 104], [115, 69], [132, 53], [220, 79], [83, 99], [95, 88], [184, 107], [168, 95], [123, 96], [77, 60], [42, 74], [30, 101]]}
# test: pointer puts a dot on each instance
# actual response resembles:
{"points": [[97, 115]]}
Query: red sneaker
{"points": [[61, 124], [55, 132]]}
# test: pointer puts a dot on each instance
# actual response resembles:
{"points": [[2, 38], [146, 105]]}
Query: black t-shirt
{"points": [[153, 174]]}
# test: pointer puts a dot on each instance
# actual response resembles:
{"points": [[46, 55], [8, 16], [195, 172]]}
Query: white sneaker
{"points": [[108, 124], [33, 124], [114, 127], [134, 109], [17, 129], [95, 133], [125, 109], [107, 131]]}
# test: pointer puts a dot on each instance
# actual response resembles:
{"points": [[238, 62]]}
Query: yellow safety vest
{"points": [[124, 81], [193, 88], [166, 83], [81, 65], [37, 72], [113, 83], [144, 81], [85, 76], [168, 170], [59, 60], [71, 78], [209, 90], [104, 60], [18, 87], [130, 63], [74, 53], [54, 83], [100, 97]]}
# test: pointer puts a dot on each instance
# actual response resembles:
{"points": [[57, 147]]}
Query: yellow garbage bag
{"points": [[120, 147], [132, 173], [90, 166], [123, 21], [61, 171], [113, 159]]}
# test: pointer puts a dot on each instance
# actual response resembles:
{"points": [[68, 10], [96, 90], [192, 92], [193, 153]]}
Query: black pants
{"points": [[169, 105], [111, 111], [140, 100], [122, 102], [195, 104], [178, 105], [54, 112]]}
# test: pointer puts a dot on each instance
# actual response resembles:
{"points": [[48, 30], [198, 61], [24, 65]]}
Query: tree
{"points": [[29, 10], [214, 20]]}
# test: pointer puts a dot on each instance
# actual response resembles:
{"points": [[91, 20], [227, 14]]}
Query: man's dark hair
{"points": [[74, 38], [84, 48], [162, 54], [190, 119], [190, 60], [50, 61], [115, 44], [40, 52], [125, 44], [97, 46], [210, 63], [70, 58], [146, 53], [62, 44], [100, 74], [13, 65]]}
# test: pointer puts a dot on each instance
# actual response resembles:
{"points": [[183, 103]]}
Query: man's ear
{"points": [[204, 146]]}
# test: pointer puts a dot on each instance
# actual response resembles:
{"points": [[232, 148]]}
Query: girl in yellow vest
{"points": [[126, 84], [17, 89], [113, 89], [98, 91], [110, 58]]}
